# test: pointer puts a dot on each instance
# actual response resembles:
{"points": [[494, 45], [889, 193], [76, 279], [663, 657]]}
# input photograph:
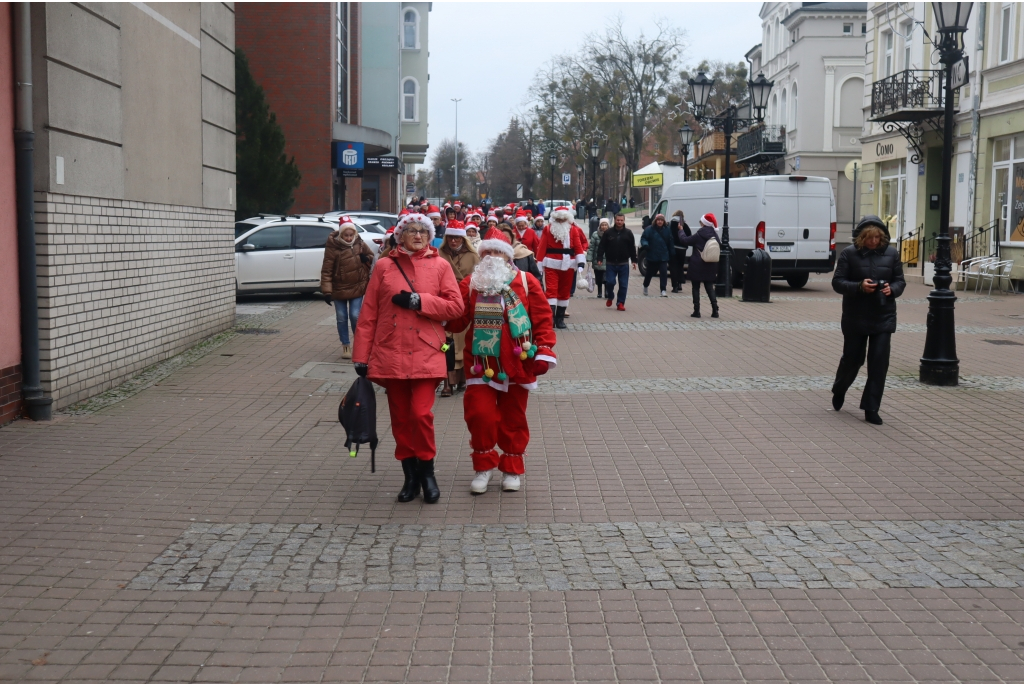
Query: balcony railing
{"points": [[761, 144], [911, 95]]}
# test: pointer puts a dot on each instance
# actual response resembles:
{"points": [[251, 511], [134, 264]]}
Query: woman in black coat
{"points": [[701, 271], [869, 275]]}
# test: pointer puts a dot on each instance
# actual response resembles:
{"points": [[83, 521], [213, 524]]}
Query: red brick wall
{"points": [[10, 393], [290, 47]]}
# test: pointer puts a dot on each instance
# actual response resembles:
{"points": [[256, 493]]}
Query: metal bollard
{"points": [[757, 277]]}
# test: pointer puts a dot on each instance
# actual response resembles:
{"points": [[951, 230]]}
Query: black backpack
{"points": [[357, 414]]}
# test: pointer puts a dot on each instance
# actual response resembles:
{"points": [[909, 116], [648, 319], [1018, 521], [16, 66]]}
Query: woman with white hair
{"points": [[400, 345]]}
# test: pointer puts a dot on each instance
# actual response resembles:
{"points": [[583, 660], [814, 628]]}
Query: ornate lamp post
{"points": [[553, 159], [685, 138], [939, 365], [594, 149], [604, 178], [579, 180], [728, 122]]}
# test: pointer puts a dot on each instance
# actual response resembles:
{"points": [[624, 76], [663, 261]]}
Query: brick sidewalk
{"points": [[692, 510]]}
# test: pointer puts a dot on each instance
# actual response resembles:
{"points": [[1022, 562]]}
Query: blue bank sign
{"points": [[346, 155]]}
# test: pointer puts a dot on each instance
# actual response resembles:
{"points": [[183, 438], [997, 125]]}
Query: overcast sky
{"points": [[488, 52]]}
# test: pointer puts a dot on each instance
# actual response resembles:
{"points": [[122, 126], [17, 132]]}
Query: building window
{"points": [[908, 41], [863, 29], [892, 195], [410, 100], [783, 109], [887, 39], [773, 117], [1008, 172], [792, 118], [1005, 30], [341, 59], [410, 30], [847, 29]]}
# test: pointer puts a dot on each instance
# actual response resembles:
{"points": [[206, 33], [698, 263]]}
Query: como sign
{"points": [[648, 180]]}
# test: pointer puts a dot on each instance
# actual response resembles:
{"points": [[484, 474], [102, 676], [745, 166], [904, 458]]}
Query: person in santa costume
{"points": [[509, 343], [523, 232], [561, 254]]}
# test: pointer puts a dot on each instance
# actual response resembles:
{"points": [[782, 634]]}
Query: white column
{"points": [[830, 99]]}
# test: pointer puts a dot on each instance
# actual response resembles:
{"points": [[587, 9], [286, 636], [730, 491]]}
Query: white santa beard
{"points": [[560, 231], [491, 275]]}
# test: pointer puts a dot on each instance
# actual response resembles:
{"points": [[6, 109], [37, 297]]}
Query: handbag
{"points": [[712, 251], [357, 414]]}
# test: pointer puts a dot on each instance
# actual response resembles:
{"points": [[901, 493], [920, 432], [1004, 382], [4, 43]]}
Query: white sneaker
{"points": [[510, 483], [645, 291], [664, 294], [479, 484]]}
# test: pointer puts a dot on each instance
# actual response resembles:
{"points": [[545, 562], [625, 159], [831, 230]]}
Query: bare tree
{"points": [[637, 73]]}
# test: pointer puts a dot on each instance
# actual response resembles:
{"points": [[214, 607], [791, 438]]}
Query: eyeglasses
{"points": [[418, 231]]}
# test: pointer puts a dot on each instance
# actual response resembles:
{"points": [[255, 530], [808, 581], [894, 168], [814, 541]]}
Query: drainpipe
{"points": [[979, 53], [37, 404]]}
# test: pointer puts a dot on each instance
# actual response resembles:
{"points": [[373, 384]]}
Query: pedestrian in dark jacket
{"points": [[344, 276], [677, 265], [702, 272], [617, 249], [591, 208], [869, 275], [657, 238]]}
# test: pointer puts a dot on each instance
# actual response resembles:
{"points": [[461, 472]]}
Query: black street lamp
{"points": [[728, 122], [939, 365], [685, 138], [580, 188], [553, 158], [594, 149], [604, 181]]}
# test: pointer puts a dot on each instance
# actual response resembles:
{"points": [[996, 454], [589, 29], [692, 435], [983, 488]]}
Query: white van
{"points": [[793, 217]]}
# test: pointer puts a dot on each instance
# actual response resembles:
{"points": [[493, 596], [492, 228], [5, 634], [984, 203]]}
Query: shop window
{"points": [[892, 187]]}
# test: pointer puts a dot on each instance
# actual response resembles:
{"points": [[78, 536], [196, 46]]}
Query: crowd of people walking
{"points": [[463, 301]]}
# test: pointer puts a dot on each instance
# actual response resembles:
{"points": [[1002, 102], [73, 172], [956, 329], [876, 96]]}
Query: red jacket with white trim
{"points": [[552, 254]]}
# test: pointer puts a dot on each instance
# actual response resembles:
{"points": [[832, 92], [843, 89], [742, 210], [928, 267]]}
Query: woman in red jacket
{"points": [[399, 345], [508, 344]]}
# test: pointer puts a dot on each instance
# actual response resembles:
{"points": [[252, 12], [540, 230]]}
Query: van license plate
{"points": [[780, 248]]}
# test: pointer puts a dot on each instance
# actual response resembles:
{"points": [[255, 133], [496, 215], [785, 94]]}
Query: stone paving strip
{"points": [[769, 326], [591, 556]]}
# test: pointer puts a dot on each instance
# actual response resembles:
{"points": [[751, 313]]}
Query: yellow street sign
{"points": [[648, 180]]}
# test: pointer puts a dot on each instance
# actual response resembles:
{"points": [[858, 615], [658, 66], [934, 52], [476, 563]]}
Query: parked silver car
{"points": [[385, 219], [285, 254]]}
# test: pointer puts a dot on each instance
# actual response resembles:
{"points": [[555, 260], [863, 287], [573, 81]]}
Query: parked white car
{"points": [[285, 254]]}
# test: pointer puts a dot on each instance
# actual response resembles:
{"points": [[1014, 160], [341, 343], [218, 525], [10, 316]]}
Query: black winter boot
{"points": [[431, 493], [560, 317], [714, 311], [412, 483]]}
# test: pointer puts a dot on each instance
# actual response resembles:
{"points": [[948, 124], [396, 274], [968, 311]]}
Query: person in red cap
{"points": [[509, 343], [434, 214], [701, 270], [561, 254], [524, 233]]}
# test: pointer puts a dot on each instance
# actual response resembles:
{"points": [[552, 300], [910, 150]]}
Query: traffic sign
{"points": [[961, 74], [410, 188], [519, 191], [566, 179]]}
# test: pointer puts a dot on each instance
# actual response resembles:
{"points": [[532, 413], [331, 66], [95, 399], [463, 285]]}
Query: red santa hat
{"points": [[496, 241], [409, 219], [404, 212], [709, 220], [434, 212], [523, 215], [346, 222], [492, 218], [562, 214], [456, 228]]}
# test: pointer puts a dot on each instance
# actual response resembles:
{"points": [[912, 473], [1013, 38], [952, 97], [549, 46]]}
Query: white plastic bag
{"points": [[585, 279]]}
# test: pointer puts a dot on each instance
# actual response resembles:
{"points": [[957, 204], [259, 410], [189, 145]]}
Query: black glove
{"points": [[327, 298], [406, 300], [366, 259], [361, 369]]}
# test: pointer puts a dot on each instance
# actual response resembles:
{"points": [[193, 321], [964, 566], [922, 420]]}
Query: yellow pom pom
{"points": [[489, 373], [352, 454], [523, 356]]}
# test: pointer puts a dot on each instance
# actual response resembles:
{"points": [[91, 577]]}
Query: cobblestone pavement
{"points": [[588, 556], [695, 454]]}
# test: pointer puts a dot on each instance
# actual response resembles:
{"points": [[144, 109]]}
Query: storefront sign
{"points": [[648, 180], [382, 163], [346, 155], [1016, 227], [885, 150]]}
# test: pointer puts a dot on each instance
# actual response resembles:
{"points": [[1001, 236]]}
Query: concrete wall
{"points": [[290, 51], [381, 66], [10, 322], [415, 64], [134, 180]]}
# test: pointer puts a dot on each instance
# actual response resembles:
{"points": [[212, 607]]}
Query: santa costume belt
{"points": [[555, 250]]}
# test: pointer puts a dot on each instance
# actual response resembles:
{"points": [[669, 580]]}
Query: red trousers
{"points": [[558, 286], [411, 402], [497, 418]]}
